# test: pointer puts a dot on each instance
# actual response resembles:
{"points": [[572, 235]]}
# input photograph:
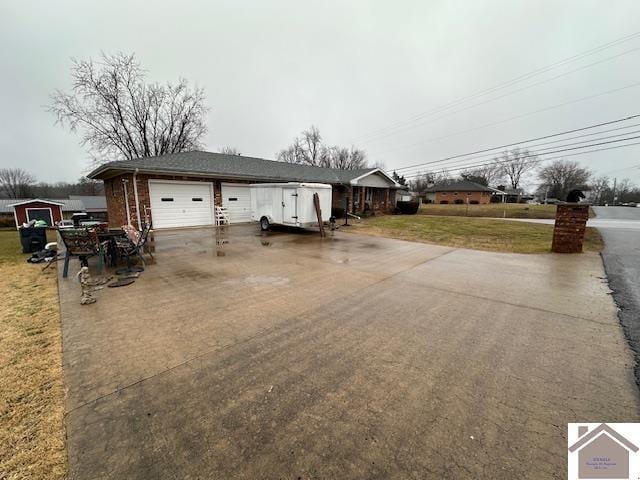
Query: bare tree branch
{"points": [[516, 164], [16, 183], [123, 117], [309, 150]]}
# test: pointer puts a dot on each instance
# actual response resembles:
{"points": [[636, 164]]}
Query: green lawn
{"points": [[31, 386], [497, 210], [476, 233]]}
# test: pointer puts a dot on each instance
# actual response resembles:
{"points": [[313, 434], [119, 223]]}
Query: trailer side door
{"points": [[289, 206]]}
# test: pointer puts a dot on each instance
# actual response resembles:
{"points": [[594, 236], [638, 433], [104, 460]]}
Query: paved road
{"points": [[620, 228], [241, 356]]}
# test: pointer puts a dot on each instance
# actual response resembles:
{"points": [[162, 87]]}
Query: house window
{"points": [[166, 199], [196, 199], [444, 194], [232, 199], [455, 194], [469, 194], [368, 195]]}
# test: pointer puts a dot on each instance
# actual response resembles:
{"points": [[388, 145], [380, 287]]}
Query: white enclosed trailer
{"points": [[289, 204]]}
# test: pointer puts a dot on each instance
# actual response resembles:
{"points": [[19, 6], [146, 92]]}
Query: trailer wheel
{"points": [[264, 224]]}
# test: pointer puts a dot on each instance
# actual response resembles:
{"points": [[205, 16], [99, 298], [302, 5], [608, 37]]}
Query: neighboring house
{"points": [[403, 195], [463, 191], [181, 190], [602, 453], [16, 211], [513, 195]]}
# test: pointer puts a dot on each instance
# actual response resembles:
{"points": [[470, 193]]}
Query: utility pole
{"points": [[615, 180]]}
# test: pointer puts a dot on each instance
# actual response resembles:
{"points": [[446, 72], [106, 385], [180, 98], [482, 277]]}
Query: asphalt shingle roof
{"points": [[233, 166], [461, 186]]}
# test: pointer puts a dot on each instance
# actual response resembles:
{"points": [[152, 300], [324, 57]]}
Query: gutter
{"points": [[219, 176], [126, 200], [137, 200]]}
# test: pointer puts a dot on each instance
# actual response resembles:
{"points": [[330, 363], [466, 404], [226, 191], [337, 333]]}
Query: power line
{"points": [[541, 150], [516, 117], [382, 137], [544, 137], [500, 86], [538, 160]]}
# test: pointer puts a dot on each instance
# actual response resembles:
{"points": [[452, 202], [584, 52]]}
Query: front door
{"points": [[289, 205]]}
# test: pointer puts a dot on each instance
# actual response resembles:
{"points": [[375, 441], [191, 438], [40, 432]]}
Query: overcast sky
{"points": [[353, 68]]}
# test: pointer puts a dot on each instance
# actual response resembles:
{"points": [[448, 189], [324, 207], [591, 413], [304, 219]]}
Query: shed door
{"points": [[180, 204], [289, 205], [237, 198], [40, 214]]}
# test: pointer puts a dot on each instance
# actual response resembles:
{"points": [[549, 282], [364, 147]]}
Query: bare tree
{"points": [[343, 158], [422, 181], [561, 176], [230, 151], [89, 186], [122, 116], [515, 165], [16, 182], [623, 187], [599, 187], [309, 150], [305, 150], [490, 174]]}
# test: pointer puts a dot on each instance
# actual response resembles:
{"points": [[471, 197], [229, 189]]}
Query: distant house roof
{"points": [[91, 202], [461, 186], [198, 163], [17, 202], [68, 204]]}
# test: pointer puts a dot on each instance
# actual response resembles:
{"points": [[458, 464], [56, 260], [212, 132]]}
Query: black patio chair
{"points": [[129, 248], [82, 243]]}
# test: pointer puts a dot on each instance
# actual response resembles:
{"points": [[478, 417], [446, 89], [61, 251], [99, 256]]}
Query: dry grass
{"points": [[475, 233], [496, 210], [31, 385]]}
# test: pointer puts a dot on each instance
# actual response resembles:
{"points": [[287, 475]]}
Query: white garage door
{"points": [[237, 198], [180, 204]]}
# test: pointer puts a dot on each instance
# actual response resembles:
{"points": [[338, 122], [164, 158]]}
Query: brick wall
{"points": [[569, 229], [451, 197], [114, 191]]}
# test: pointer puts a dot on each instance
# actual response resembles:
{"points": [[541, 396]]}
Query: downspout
{"points": [[126, 200], [135, 196]]}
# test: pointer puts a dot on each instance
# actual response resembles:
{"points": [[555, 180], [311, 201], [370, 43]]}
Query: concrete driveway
{"points": [[238, 355]]}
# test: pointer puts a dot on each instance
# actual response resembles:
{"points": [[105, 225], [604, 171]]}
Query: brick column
{"points": [[568, 232]]}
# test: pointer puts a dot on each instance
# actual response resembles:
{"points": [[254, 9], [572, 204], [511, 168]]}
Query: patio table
{"points": [[110, 236]]}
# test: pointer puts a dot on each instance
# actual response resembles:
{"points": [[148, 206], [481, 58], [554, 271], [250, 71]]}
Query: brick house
{"points": [[180, 190], [461, 192]]}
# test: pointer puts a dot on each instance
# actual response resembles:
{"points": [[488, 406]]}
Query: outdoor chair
{"points": [[82, 243], [221, 216], [132, 245]]}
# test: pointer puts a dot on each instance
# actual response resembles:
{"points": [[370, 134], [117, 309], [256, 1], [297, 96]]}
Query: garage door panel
{"points": [[180, 204], [237, 198]]}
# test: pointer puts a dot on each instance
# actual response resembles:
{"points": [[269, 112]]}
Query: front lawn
{"points": [[31, 386], [496, 210], [476, 233]]}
